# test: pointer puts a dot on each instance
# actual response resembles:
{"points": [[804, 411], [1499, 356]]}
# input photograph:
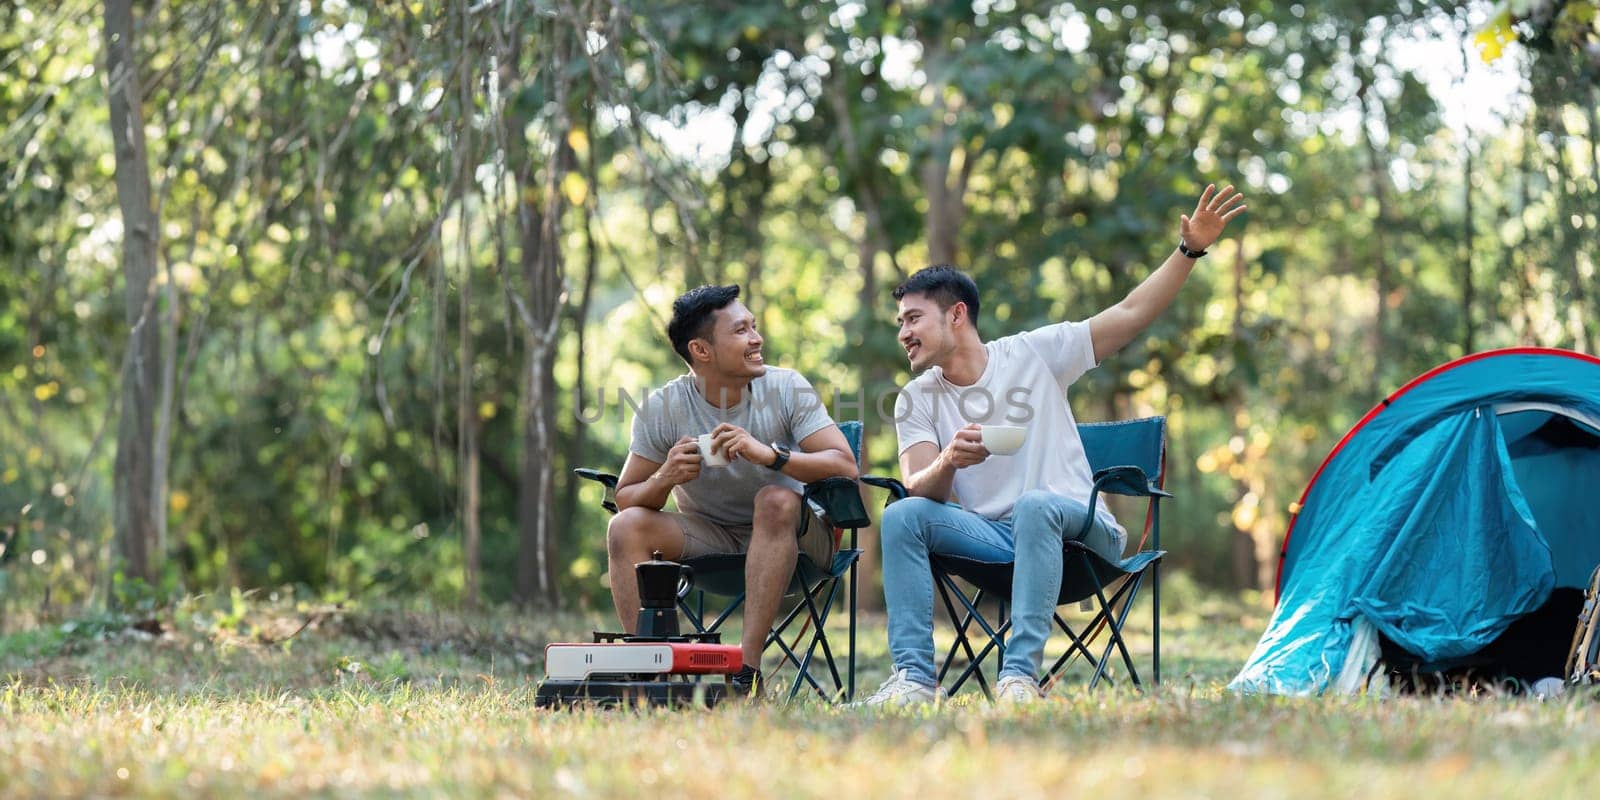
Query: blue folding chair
{"points": [[838, 502], [1128, 458]]}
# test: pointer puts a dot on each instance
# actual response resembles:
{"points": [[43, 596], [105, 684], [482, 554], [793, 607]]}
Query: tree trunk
{"points": [[577, 443], [467, 420], [1378, 167], [873, 380], [754, 211], [1244, 544], [137, 535], [471, 503], [1567, 245], [1594, 180], [536, 548], [540, 208], [872, 383], [1523, 261], [539, 228], [468, 426], [165, 403], [1469, 231], [946, 196]]}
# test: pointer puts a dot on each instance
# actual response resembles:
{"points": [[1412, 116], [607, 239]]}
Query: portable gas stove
{"points": [[658, 666], [621, 670]]}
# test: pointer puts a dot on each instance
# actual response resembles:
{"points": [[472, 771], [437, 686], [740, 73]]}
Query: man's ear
{"points": [[958, 315], [699, 350]]}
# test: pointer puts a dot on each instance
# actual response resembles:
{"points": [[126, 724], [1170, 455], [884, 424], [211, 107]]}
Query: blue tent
{"points": [[1450, 510]]}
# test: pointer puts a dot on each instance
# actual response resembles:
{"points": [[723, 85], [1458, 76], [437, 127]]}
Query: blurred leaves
{"points": [[306, 157]]}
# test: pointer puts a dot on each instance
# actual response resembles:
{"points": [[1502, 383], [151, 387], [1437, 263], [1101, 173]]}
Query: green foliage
{"points": [[1567, 30], [341, 188]]}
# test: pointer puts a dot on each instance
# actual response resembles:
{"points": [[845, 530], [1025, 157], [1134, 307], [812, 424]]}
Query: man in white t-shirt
{"points": [[1016, 507]]}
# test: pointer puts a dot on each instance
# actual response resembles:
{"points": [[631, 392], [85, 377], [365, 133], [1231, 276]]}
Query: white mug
{"points": [[708, 458], [1003, 440]]}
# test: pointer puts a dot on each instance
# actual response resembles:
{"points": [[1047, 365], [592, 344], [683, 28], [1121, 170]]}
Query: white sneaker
{"points": [[901, 690], [1017, 690]]}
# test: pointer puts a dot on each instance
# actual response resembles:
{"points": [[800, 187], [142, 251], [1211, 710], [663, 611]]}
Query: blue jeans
{"points": [[1032, 537]]}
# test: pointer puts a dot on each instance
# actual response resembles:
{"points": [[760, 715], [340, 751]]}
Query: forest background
{"points": [[332, 295]]}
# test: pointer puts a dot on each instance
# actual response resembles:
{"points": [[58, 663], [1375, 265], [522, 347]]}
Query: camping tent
{"points": [[1452, 510]]}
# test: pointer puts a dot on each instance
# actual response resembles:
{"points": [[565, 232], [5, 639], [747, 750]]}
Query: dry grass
{"points": [[229, 697]]}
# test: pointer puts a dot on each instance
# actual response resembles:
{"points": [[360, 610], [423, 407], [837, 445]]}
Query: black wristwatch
{"points": [[783, 455], [1184, 249]]}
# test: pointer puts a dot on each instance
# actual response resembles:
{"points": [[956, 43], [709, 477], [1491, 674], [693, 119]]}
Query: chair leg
{"points": [[1131, 589], [816, 607], [775, 636], [820, 636], [1077, 645], [696, 614], [961, 627], [850, 670], [1004, 616], [1108, 616], [1155, 592], [974, 661], [1155, 621], [974, 669], [817, 616], [802, 674]]}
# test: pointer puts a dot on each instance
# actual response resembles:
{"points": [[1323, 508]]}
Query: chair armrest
{"points": [[1130, 481], [606, 479], [896, 489], [838, 501]]}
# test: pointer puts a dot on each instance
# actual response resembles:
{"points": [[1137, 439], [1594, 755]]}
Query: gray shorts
{"points": [[702, 537]]}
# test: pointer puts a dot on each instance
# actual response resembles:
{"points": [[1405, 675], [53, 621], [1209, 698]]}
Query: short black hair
{"points": [[694, 315], [945, 285]]}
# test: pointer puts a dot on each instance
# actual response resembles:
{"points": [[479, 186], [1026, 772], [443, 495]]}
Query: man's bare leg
{"points": [[769, 565], [633, 536]]}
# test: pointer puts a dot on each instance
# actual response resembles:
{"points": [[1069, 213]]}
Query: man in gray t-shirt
{"points": [[769, 435]]}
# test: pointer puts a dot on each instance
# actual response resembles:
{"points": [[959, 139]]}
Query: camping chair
{"points": [[838, 501], [1128, 458]]}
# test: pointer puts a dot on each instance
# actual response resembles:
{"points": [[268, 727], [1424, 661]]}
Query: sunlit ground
{"points": [[227, 700]]}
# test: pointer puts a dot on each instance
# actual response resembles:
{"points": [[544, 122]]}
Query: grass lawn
{"points": [[228, 696]]}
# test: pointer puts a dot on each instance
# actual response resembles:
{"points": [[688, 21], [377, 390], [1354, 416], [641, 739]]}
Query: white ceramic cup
{"points": [[708, 458], [1003, 440]]}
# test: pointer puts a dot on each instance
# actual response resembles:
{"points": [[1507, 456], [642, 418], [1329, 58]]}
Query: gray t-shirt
{"points": [[779, 406]]}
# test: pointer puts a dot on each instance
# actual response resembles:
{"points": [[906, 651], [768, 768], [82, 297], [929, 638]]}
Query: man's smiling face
{"points": [[735, 344], [924, 331]]}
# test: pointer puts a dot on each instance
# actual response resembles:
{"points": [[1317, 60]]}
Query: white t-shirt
{"points": [[1025, 383]]}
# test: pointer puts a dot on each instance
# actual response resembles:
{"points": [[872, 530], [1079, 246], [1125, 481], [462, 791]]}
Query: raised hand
{"points": [[1210, 216]]}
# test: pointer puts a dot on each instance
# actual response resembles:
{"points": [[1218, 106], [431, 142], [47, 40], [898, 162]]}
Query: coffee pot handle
{"points": [[685, 580]]}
